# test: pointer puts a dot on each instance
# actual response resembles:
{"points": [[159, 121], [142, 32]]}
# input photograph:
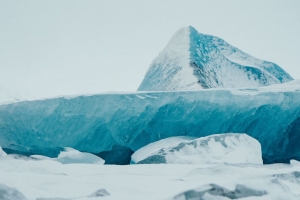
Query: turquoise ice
{"points": [[100, 122]]}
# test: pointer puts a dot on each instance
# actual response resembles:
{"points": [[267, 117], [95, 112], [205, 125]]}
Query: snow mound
{"points": [[219, 148], [71, 155], [193, 61], [295, 162], [2, 153], [8, 193], [151, 148]]}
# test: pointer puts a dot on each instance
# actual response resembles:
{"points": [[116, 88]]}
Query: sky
{"points": [[53, 48]]}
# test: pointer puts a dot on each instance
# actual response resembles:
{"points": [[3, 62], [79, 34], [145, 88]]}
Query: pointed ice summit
{"points": [[193, 61]]}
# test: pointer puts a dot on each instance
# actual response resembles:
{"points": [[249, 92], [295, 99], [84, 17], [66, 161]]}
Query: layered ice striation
{"points": [[219, 148], [193, 61], [98, 123]]}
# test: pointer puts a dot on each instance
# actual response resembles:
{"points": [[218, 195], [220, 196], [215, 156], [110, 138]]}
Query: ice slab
{"points": [[151, 148], [97, 123], [218, 148]]}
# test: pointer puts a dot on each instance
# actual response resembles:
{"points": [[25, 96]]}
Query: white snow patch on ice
{"points": [[73, 156], [295, 162], [147, 150]]}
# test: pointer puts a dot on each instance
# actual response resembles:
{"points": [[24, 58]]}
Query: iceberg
{"points": [[98, 123], [193, 61], [219, 148]]}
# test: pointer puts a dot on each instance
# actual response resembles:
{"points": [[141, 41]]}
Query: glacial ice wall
{"points": [[98, 123]]}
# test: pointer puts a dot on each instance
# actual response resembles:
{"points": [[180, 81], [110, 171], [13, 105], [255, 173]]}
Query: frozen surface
{"points": [[97, 123], [46, 179], [193, 61], [151, 148], [218, 148]]}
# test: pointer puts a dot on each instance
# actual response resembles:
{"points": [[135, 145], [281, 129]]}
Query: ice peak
{"points": [[193, 61]]}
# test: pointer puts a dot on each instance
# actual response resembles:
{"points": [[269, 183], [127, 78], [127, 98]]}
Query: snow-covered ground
{"points": [[78, 175], [50, 179]]}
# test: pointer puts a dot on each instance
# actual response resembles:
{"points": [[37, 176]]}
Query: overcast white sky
{"points": [[50, 48]]}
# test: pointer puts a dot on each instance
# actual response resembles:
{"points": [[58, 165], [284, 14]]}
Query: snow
{"points": [[193, 61], [73, 156], [49, 179], [2, 153], [70, 155], [295, 162], [223, 148], [149, 149]]}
